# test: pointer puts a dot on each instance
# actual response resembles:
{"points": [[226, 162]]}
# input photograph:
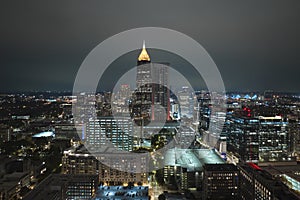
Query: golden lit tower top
{"points": [[144, 56]]}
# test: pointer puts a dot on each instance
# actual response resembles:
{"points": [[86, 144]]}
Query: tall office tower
{"points": [[260, 139], [110, 132], [186, 101], [142, 100], [204, 110], [220, 181], [244, 138], [85, 106], [217, 129], [160, 93], [274, 139], [121, 100], [151, 99]]}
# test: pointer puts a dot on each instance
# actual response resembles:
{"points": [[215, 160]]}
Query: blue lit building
{"points": [[260, 139]]}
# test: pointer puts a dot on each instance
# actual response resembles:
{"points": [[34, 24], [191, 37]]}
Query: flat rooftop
{"points": [[293, 171], [221, 167], [192, 159]]}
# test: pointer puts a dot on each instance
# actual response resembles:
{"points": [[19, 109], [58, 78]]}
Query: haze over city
{"points": [[124, 100], [254, 44]]}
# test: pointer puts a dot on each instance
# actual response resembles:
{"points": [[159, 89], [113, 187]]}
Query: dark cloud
{"points": [[255, 44]]}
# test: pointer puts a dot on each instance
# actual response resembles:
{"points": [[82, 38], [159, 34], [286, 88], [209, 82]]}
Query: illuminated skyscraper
{"points": [[151, 101], [142, 101], [106, 131], [260, 139]]}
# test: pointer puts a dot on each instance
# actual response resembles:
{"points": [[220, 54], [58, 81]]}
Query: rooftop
{"points": [[192, 159], [220, 167], [44, 134]]}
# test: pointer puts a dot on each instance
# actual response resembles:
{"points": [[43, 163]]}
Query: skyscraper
{"points": [[151, 99], [107, 131], [142, 101], [261, 139]]}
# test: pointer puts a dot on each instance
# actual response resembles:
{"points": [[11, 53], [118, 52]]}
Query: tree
{"points": [[161, 197]]}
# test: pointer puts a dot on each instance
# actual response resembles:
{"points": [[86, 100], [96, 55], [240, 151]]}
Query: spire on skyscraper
{"points": [[144, 56]]}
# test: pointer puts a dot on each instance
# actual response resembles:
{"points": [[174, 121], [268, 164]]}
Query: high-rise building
{"points": [[119, 167], [204, 110], [151, 99], [244, 138], [220, 181], [110, 131], [80, 187], [256, 183], [185, 136], [260, 139], [294, 130], [142, 100], [183, 167], [274, 139], [186, 101], [121, 100], [112, 167], [79, 161], [66, 131], [160, 109]]}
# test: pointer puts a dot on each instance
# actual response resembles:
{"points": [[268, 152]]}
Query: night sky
{"points": [[255, 44]]}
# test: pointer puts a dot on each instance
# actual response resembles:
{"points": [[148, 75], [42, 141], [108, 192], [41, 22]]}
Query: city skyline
{"points": [[248, 41], [149, 100]]}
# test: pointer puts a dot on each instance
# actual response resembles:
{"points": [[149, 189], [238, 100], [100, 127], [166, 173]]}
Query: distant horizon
{"points": [[103, 91], [127, 61]]}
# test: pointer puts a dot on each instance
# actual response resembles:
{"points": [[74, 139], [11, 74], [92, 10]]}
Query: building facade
{"points": [[256, 183], [79, 161], [110, 131], [220, 181], [260, 139], [118, 168]]}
